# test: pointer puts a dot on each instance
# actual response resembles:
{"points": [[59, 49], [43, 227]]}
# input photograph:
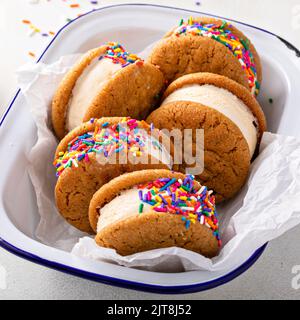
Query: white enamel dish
{"points": [[135, 26]]}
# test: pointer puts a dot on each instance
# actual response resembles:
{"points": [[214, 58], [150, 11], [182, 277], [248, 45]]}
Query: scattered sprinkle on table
{"points": [[67, 17], [31, 54]]}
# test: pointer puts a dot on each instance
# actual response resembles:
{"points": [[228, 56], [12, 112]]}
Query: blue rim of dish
{"points": [[126, 283]]}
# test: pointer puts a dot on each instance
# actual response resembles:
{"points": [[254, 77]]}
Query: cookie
{"points": [[106, 81], [151, 209], [96, 152], [232, 120], [225, 95], [208, 45]]}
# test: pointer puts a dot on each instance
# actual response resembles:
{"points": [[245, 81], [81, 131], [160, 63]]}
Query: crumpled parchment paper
{"points": [[266, 207]]}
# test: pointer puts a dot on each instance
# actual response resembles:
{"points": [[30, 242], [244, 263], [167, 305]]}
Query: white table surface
{"points": [[270, 278]]}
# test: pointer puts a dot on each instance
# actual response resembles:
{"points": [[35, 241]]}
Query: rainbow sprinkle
{"points": [[239, 47], [118, 55], [33, 29], [181, 197], [129, 135]]}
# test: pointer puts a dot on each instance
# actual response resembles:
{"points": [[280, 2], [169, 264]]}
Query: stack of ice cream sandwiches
{"points": [[116, 167]]}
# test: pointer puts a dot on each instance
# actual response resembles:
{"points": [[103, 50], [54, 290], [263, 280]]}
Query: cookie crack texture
{"points": [[177, 56], [156, 230], [226, 153], [132, 92]]}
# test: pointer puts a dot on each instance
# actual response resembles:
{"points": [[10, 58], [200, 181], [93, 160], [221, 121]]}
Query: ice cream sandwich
{"points": [[96, 152], [152, 209], [232, 120], [106, 82], [208, 45]]}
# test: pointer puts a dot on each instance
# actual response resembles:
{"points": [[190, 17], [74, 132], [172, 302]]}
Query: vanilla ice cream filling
{"points": [[123, 206], [87, 86], [226, 103]]}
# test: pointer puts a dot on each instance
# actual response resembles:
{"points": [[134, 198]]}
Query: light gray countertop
{"points": [[270, 277]]}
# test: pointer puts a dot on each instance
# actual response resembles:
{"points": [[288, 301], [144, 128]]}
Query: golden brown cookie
{"points": [[106, 81], [208, 45], [96, 152], [233, 124], [222, 82], [151, 209], [226, 153]]}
